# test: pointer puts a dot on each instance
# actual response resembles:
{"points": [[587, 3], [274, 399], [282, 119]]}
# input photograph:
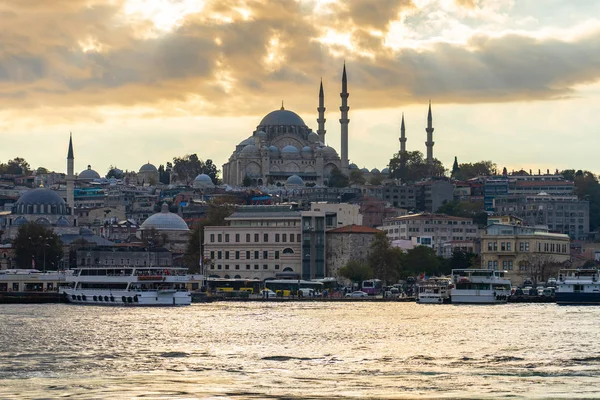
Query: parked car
{"points": [[358, 293], [268, 294]]}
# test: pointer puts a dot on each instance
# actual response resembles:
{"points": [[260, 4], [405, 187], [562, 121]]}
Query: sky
{"points": [[511, 81]]}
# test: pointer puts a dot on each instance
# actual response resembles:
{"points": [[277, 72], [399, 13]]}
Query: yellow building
{"points": [[525, 252]]}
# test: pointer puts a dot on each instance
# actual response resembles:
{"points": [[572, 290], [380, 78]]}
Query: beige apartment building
{"points": [[435, 228], [525, 252]]}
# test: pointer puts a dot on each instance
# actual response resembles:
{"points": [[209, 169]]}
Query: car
{"points": [[268, 294], [358, 293], [306, 292], [549, 292]]}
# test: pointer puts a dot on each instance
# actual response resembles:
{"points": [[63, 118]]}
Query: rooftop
{"points": [[354, 229]]}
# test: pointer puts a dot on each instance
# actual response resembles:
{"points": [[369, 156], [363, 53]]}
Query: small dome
{"points": [[330, 151], [290, 151], [353, 166], [88, 173], [165, 221], [261, 135], [282, 117], [148, 168], [364, 170], [375, 171], [250, 150], [294, 180], [203, 181], [306, 152], [40, 196], [313, 137], [246, 142], [62, 221], [385, 171], [19, 221], [273, 150]]}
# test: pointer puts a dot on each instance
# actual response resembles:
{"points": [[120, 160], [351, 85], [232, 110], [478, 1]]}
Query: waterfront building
{"points": [[347, 243], [525, 252], [124, 256]]}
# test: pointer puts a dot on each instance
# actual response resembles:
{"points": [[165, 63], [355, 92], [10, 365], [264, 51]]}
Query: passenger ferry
{"points": [[483, 286], [578, 286], [130, 286], [434, 291]]}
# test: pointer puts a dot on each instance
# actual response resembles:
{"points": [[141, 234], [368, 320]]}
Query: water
{"points": [[303, 350]]}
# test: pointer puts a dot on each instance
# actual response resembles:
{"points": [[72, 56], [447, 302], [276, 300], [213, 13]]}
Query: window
{"points": [[247, 238], [489, 246], [265, 255], [256, 254], [276, 266], [212, 237], [495, 264], [277, 237], [255, 266], [508, 246], [226, 266], [287, 250], [237, 267], [256, 238], [504, 264], [212, 255], [298, 238], [227, 238], [237, 255], [490, 265], [277, 254], [247, 266], [219, 255], [510, 265], [237, 237], [502, 246], [266, 237], [219, 238], [219, 266], [265, 266], [284, 237], [521, 246], [495, 246], [227, 255], [526, 246], [291, 237], [247, 255]]}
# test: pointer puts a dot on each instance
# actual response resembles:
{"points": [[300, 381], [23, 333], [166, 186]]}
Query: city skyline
{"points": [[139, 81]]}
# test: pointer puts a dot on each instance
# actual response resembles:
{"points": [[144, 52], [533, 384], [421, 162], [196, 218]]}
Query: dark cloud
{"points": [[42, 62]]}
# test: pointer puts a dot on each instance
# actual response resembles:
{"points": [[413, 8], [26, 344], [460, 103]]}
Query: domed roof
{"points": [[246, 142], [289, 149], [19, 221], [165, 221], [40, 196], [375, 171], [203, 181], [306, 149], [250, 149], [330, 151], [385, 171], [313, 137], [273, 150], [261, 134], [148, 168], [62, 221], [282, 117], [294, 180], [353, 166], [366, 171], [88, 173]]}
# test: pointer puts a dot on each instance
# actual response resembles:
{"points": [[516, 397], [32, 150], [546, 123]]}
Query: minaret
{"points": [[344, 121], [321, 109], [402, 137], [429, 143], [70, 176]]}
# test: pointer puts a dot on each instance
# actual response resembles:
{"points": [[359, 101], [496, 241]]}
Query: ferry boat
{"points": [[578, 286], [479, 286], [434, 291], [129, 286]]}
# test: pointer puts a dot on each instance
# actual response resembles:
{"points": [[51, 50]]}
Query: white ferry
{"points": [[131, 286], [434, 291], [578, 286], [482, 286]]}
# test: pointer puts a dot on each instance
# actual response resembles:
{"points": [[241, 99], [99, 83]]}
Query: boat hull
{"points": [[128, 298], [477, 297], [433, 300], [566, 298]]}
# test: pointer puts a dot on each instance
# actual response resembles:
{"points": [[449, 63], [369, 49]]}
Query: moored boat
{"points": [[130, 286], [479, 286], [434, 291], [578, 286]]}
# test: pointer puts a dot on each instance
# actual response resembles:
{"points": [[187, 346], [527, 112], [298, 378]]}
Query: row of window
{"points": [[506, 265], [277, 237], [524, 246], [237, 266], [237, 254]]}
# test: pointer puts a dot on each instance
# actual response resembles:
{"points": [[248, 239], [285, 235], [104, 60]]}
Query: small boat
{"points": [[129, 286], [434, 291], [480, 286], [578, 286]]}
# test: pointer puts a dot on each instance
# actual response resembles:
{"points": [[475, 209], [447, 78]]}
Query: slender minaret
{"points": [[429, 143], [70, 176], [321, 109], [402, 137], [344, 121]]}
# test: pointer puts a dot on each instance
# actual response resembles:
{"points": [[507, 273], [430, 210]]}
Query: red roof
{"points": [[354, 229]]}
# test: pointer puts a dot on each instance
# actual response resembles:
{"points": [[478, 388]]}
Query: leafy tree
{"points": [[568, 174], [356, 271], [455, 168], [34, 242], [384, 260], [504, 171], [247, 181], [481, 168], [218, 209], [16, 166], [190, 166], [163, 175], [357, 177], [465, 209], [338, 179], [114, 172], [460, 259], [376, 179], [41, 170], [587, 188], [421, 259], [412, 167]]}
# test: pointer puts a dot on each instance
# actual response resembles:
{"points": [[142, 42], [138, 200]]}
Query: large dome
{"points": [[88, 173], [165, 221], [282, 117], [148, 168], [40, 201]]}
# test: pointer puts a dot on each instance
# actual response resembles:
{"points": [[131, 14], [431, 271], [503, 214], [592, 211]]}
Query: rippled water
{"points": [[309, 349]]}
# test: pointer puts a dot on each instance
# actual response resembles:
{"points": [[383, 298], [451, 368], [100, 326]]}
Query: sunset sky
{"points": [[512, 81]]}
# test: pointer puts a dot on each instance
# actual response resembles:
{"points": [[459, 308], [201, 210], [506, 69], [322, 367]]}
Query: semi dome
{"points": [[289, 150], [329, 151], [250, 150], [246, 142], [294, 180], [313, 137], [88, 173], [165, 221], [282, 117], [203, 181], [148, 168]]}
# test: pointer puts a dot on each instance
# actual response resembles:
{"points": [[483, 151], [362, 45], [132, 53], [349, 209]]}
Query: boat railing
{"points": [[578, 275]]}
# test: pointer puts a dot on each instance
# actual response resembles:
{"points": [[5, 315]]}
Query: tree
{"points": [[16, 166], [356, 271], [376, 179], [587, 188], [37, 247], [455, 168], [412, 167], [421, 259], [247, 181], [338, 179], [384, 260], [190, 166], [468, 171], [41, 170], [163, 176], [357, 177], [465, 209]]}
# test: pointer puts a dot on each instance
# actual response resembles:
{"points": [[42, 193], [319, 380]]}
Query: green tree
{"points": [[190, 166], [587, 188], [455, 168], [465, 209], [356, 271], [468, 171], [384, 260], [247, 181], [34, 242], [338, 179], [163, 175], [376, 179], [17, 166], [412, 167], [41, 170], [357, 177], [421, 259]]}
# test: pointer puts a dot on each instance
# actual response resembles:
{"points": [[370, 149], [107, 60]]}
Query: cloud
{"points": [[240, 57]]}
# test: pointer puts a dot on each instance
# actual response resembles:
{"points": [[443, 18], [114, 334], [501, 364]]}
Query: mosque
{"points": [[284, 150]]}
